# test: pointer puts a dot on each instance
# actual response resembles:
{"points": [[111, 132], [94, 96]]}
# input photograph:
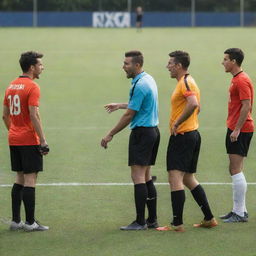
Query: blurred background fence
{"points": [[121, 13]]}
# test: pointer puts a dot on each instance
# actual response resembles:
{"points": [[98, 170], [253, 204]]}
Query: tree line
{"points": [[121, 5]]}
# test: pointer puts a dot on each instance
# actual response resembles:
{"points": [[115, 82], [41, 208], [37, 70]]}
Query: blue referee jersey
{"points": [[144, 100]]}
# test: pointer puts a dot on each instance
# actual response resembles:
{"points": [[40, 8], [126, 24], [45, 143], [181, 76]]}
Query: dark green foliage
{"points": [[121, 5]]}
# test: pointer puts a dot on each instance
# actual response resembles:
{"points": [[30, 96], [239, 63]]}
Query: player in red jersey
{"points": [[240, 130], [26, 139]]}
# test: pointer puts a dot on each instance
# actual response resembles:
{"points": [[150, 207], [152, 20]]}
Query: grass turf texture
{"points": [[82, 73]]}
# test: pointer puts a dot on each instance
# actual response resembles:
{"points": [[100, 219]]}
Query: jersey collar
{"points": [[136, 78], [24, 77], [238, 73]]}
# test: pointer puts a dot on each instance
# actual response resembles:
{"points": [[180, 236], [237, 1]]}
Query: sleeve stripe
{"points": [[186, 82]]}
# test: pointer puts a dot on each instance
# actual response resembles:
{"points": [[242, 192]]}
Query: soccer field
{"points": [[83, 71]]}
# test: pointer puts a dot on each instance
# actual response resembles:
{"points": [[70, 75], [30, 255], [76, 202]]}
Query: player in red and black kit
{"points": [[240, 130], [26, 139]]}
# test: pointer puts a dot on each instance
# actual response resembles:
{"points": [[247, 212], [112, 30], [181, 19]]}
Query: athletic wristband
{"points": [[44, 149]]}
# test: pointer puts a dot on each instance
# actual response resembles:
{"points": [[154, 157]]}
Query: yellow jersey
{"points": [[185, 87]]}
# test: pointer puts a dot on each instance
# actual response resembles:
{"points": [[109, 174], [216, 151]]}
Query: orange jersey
{"points": [[241, 88], [185, 87], [19, 95]]}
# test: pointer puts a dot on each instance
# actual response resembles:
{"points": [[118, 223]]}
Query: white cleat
{"points": [[16, 226], [35, 227]]}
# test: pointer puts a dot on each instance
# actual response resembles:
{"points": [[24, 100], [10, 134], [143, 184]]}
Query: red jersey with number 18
{"points": [[19, 95], [241, 88]]}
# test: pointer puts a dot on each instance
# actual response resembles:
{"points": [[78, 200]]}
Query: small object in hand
{"points": [[154, 178], [44, 149]]}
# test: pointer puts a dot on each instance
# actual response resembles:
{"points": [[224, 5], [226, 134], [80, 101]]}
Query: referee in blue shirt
{"points": [[142, 115]]}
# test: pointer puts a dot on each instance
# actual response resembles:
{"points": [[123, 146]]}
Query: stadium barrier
{"points": [[123, 19]]}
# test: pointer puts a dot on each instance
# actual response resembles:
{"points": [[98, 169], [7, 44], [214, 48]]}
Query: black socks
{"points": [[140, 196], [151, 201], [29, 204], [178, 200], [201, 199], [16, 195]]}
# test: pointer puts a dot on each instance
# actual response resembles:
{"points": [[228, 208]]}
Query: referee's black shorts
{"points": [[183, 152], [143, 146], [241, 146], [26, 159], [139, 18]]}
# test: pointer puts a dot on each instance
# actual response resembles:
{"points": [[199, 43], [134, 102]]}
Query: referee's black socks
{"points": [[178, 200], [29, 204], [140, 197], [201, 199], [16, 194], [151, 201]]}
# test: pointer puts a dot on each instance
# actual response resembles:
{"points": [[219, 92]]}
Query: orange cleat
{"points": [[165, 228], [207, 224], [174, 228]]}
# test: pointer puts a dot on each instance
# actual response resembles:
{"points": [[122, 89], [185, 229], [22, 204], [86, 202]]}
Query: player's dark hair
{"points": [[137, 57], [29, 58], [235, 54], [181, 57]]}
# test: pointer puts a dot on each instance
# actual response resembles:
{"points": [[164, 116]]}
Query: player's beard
{"points": [[130, 74]]}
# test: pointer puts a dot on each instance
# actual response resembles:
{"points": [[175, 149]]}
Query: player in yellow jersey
{"points": [[184, 144]]}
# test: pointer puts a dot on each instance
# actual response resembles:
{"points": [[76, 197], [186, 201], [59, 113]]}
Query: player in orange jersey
{"points": [[26, 139], [184, 144], [240, 128]]}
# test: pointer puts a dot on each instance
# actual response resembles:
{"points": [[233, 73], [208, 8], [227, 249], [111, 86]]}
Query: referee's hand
{"points": [[104, 142], [44, 149]]}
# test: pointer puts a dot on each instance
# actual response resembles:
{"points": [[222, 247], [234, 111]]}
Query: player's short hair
{"points": [[235, 54], [137, 57], [181, 57], [29, 58]]}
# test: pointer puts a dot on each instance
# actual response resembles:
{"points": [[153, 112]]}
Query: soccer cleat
{"points": [[35, 227], [134, 226], [165, 228], [179, 228], [152, 224], [16, 226], [207, 224], [223, 217], [235, 218], [226, 216], [173, 228]]}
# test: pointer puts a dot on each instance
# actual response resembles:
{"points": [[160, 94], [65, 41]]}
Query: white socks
{"points": [[239, 192]]}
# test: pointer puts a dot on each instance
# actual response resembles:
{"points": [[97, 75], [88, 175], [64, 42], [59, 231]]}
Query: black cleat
{"points": [[152, 224], [227, 216], [235, 218], [134, 226]]}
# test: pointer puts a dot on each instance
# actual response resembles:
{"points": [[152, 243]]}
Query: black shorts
{"points": [[26, 159], [183, 152], [139, 18], [241, 146], [143, 146]]}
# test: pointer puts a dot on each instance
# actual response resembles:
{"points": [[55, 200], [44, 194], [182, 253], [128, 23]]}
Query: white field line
{"points": [[105, 128], [75, 184]]}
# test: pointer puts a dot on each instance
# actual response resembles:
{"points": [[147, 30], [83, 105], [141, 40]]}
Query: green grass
{"points": [[83, 71]]}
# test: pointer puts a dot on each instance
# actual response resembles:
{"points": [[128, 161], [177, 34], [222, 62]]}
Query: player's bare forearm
{"points": [[6, 117], [6, 122], [35, 119], [187, 112], [123, 122], [245, 109], [111, 107]]}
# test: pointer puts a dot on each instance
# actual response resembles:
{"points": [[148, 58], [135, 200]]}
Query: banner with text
{"points": [[111, 19]]}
